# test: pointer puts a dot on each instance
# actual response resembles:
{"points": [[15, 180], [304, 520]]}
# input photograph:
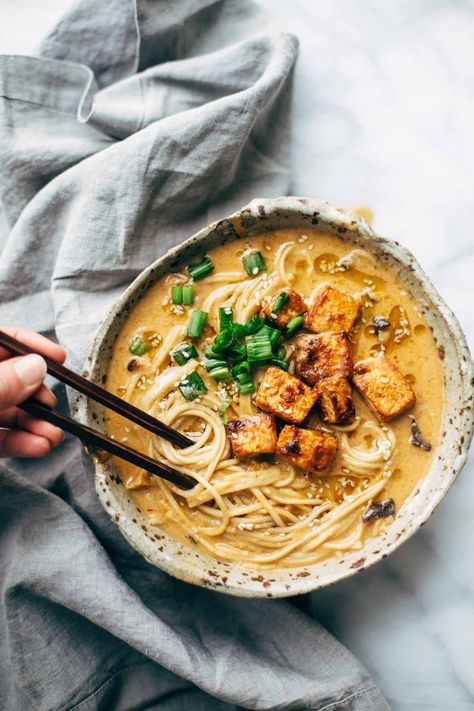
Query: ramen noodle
{"points": [[279, 483]]}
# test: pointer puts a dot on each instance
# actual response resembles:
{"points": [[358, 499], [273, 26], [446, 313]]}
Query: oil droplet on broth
{"points": [[302, 265], [365, 212], [334, 265], [398, 332], [376, 349]]}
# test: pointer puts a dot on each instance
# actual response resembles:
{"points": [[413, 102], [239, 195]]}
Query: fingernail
{"points": [[61, 439], [48, 399], [31, 369]]}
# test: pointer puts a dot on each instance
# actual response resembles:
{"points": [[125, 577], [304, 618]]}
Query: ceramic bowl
{"points": [[185, 563]]}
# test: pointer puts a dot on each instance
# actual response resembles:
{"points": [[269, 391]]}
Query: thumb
{"points": [[20, 378]]}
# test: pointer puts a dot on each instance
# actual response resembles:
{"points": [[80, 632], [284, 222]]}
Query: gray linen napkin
{"points": [[135, 119]]}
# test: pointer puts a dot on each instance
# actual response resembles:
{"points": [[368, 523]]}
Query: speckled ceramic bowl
{"points": [[184, 562]]}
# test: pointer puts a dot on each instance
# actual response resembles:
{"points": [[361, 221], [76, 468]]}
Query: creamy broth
{"points": [[305, 259]]}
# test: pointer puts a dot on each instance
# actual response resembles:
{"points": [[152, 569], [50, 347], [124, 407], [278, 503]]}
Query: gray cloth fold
{"points": [[138, 123]]}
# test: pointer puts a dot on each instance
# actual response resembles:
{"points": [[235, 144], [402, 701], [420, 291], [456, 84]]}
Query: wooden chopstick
{"points": [[95, 392], [90, 436]]}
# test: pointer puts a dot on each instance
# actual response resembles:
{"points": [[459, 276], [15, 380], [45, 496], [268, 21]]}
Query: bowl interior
{"points": [[188, 564]]}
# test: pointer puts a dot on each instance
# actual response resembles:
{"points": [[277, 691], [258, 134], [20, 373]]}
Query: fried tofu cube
{"points": [[285, 396], [335, 400], [322, 356], [331, 310], [252, 435], [294, 306], [383, 386], [311, 450]]}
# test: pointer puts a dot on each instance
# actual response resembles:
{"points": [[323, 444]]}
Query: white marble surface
{"points": [[384, 116]]}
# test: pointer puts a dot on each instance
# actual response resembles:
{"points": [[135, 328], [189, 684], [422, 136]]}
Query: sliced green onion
{"points": [[275, 337], [238, 351], [238, 331], [246, 388], [273, 333], [201, 270], [183, 352], [281, 353], [177, 295], [138, 346], [254, 263], [188, 296], [192, 386], [280, 302], [259, 347], [210, 363], [253, 325], [221, 373], [242, 368], [209, 352], [223, 407], [293, 325], [243, 378], [226, 317], [279, 363], [196, 323], [223, 340]]}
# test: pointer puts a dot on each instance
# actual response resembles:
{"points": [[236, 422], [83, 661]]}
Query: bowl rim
{"points": [[340, 218]]}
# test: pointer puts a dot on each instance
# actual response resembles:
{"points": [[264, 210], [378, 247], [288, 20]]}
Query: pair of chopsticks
{"points": [[93, 437]]}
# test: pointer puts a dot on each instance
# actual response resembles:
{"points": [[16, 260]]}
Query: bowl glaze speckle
{"points": [[186, 563]]}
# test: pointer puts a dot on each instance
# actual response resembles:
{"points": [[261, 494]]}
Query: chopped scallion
{"points": [[188, 295], [246, 388], [201, 270], [192, 386], [177, 295], [253, 325], [183, 352], [138, 346], [223, 340], [238, 351], [243, 378], [280, 302], [279, 363], [259, 347], [210, 363], [242, 368], [281, 353], [221, 373], [273, 333], [223, 407], [254, 263], [293, 325], [238, 331], [226, 317], [196, 323]]}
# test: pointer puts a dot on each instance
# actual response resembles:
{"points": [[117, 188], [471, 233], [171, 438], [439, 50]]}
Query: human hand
{"points": [[23, 435]]}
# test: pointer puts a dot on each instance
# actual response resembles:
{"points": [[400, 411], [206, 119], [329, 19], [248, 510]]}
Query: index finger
{"points": [[38, 343]]}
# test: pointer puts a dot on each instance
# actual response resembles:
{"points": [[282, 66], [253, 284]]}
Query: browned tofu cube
{"points": [[335, 400], [252, 435], [322, 356], [331, 310], [311, 450], [294, 306], [383, 386], [285, 396]]}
